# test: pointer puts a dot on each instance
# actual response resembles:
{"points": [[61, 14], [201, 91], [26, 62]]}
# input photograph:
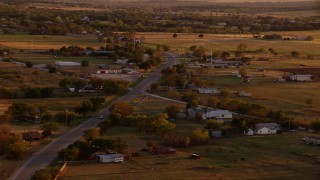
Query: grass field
{"points": [[285, 155], [229, 42]]}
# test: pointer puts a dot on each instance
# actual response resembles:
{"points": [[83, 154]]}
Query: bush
{"points": [[84, 63], [29, 64], [53, 70]]}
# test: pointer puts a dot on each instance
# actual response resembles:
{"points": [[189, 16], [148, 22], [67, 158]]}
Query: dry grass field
{"points": [[16, 76], [229, 42]]}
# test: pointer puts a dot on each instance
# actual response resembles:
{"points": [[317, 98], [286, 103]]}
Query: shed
{"points": [[267, 128], [31, 136], [111, 158], [164, 150], [312, 140], [216, 133], [217, 114]]}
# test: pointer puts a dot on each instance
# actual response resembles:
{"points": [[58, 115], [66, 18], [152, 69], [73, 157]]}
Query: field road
{"points": [[46, 155]]}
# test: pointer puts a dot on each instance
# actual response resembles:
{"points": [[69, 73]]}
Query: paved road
{"points": [[43, 157]]}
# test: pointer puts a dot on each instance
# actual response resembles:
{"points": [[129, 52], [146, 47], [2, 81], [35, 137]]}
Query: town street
{"points": [[46, 155]]}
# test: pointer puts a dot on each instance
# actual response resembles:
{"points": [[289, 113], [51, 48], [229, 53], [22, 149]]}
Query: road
{"points": [[46, 155]]}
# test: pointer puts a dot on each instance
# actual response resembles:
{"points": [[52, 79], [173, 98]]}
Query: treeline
{"points": [[53, 21]]}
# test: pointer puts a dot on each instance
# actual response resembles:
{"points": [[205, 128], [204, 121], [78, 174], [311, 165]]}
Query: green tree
{"points": [[29, 64], [123, 108], [315, 125], [241, 47], [295, 54], [22, 111], [213, 125]]}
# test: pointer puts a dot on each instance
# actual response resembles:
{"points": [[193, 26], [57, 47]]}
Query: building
{"points": [[267, 128], [216, 133], [31, 136], [65, 63], [111, 158], [208, 91], [301, 77], [249, 132], [192, 111], [122, 61], [217, 114], [312, 140]]}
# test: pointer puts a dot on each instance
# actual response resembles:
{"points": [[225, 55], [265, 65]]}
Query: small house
{"points": [[111, 158], [267, 128], [217, 114], [312, 140]]}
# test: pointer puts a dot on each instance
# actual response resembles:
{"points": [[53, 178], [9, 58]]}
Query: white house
{"points": [[65, 63], [301, 77], [122, 61], [267, 128], [208, 91], [217, 114], [111, 158]]}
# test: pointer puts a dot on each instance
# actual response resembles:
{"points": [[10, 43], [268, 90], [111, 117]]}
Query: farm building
{"points": [[312, 140], [111, 158], [217, 114], [267, 128], [301, 77], [65, 63], [208, 91]]}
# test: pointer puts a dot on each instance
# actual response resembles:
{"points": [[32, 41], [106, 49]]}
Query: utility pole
{"points": [[66, 117]]}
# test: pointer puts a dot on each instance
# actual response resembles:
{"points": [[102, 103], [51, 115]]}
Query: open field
{"points": [[47, 42], [285, 155], [17, 76], [229, 42]]}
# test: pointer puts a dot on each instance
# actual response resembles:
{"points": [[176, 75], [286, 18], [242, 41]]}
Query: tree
{"points": [[22, 111], [84, 108], [105, 126], [309, 102], [295, 54], [42, 174], [159, 123], [17, 149], [241, 47], [49, 128], [46, 92], [212, 102], [225, 54], [52, 70], [213, 125], [115, 86], [175, 35], [91, 134], [243, 72], [200, 35], [29, 64], [123, 108], [172, 111], [315, 125], [84, 63], [199, 136]]}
